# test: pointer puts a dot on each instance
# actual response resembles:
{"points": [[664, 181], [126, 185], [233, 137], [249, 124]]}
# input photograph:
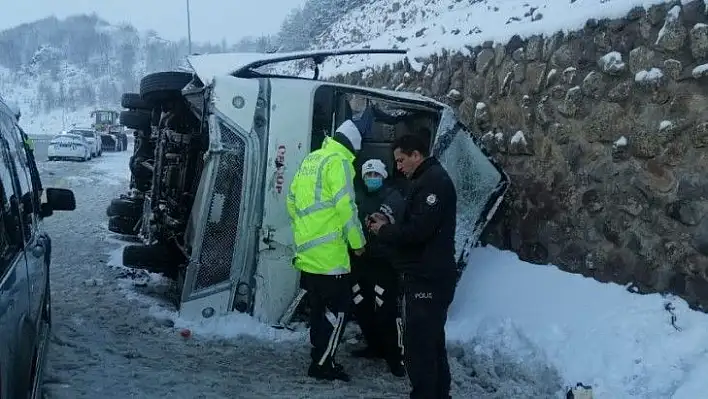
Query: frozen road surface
{"points": [[110, 341]]}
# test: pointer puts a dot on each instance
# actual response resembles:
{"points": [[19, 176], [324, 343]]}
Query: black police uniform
{"points": [[376, 292], [424, 240]]}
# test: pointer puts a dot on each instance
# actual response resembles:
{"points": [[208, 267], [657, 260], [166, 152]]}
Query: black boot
{"points": [[395, 366], [328, 372]]}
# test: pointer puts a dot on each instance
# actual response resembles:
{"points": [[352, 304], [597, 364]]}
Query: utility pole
{"points": [[189, 30], [63, 100]]}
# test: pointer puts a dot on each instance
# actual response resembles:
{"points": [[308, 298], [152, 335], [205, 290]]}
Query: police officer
{"points": [[325, 225], [424, 239], [376, 293]]}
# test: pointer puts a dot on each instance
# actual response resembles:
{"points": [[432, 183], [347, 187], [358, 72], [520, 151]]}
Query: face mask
{"points": [[373, 183]]}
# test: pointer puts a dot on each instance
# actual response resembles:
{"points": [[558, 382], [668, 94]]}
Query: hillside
{"points": [[426, 27], [80, 62]]}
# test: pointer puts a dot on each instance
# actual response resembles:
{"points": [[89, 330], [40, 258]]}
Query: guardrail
{"points": [[40, 138], [47, 138]]}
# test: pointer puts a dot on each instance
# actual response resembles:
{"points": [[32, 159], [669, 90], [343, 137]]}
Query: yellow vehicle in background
{"points": [[107, 125]]}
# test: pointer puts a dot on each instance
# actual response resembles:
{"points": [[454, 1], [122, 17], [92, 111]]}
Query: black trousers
{"points": [[425, 305], [378, 307], [329, 302]]}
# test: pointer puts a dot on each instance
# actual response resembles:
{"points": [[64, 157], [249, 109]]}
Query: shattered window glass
{"points": [[477, 181]]}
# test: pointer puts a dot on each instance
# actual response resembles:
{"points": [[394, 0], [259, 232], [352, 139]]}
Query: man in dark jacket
{"points": [[424, 240], [376, 292]]}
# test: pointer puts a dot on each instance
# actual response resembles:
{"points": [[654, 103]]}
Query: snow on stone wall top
{"points": [[424, 27]]}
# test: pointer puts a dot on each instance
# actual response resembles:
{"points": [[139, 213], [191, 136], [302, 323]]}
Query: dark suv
{"points": [[25, 253]]}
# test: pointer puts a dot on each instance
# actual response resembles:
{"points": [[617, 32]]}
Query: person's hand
{"points": [[359, 252], [379, 217], [376, 221], [376, 217]]}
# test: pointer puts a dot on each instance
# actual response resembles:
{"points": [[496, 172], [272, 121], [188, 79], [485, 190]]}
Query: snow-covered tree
{"points": [[85, 61], [82, 61], [304, 24]]}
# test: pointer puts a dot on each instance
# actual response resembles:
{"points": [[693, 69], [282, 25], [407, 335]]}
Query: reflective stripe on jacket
{"points": [[323, 212]]}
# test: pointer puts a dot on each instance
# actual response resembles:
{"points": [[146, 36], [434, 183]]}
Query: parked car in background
{"points": [[69, 146], [25, 249], [93, 138]]}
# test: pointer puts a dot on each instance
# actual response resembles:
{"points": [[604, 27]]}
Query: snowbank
{"points": [[535, 328], [622, 344]]}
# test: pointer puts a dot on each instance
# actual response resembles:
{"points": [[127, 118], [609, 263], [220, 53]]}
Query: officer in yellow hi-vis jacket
{"points": [[325, 225]]}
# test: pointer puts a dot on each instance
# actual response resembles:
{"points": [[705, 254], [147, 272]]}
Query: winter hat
{"points": [[351, 132], [374, 165]]}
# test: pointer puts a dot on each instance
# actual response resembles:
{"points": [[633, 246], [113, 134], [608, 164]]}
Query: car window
{"points": [[9, 237], [85, 133], [66, 137], [322, 114], [16, 158], [32, 167], [6, 176], [16, 151], [10, 233]]}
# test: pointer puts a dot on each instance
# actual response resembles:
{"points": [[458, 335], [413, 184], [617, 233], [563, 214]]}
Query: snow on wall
{"points": [[651, 75], [671, 17], [427, 27]]}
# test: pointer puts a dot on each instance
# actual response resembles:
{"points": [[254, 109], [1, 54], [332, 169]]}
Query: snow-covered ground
{"points": [[113, 338], [515, 330]]}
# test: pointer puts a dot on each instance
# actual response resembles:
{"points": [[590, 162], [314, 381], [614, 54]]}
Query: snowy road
{"points": [[108, 342]]}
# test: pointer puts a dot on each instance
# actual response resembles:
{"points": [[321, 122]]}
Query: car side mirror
{"points": [[58, 199]]}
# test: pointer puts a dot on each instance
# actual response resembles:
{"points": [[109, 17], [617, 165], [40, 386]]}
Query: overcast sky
{"points": [[212, 20]]}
